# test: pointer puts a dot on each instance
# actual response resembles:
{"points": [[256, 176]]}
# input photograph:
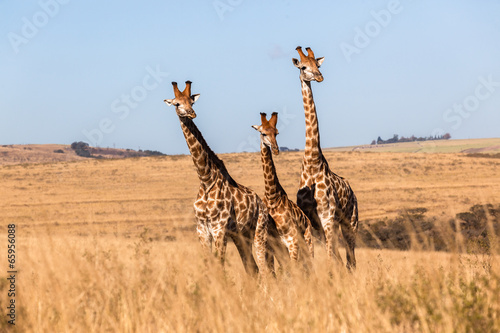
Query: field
{"points": [[110, 246], [491, 145]]}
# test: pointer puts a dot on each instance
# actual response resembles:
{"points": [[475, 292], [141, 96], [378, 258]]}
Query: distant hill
{"points": [[84, 150], [50, 153], [467, 146], [19, 154]]}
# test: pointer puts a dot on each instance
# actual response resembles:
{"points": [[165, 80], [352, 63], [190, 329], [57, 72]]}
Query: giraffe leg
{"points": [[261, 242], [317, 226], [308, 243], [270, 253], [332, 234], [350, 240], [244, 247], [204, 236], [298, 253], [308, 238], [349, 231], [276, 247], [293, 248], [278, 251], [306, 202], [220, 240]]}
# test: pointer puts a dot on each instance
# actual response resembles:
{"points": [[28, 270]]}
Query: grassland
{"points": [[18, 154], [109, 246], [490, 145]]}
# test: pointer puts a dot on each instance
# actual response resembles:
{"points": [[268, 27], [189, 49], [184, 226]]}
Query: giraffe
{"points": [[223, 207], [326, 198], [293, 227]]}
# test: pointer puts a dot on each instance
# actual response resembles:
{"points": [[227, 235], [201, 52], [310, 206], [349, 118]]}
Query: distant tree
{"points": [[80, 144], [81, 149], [59, 151], [394, 139], [153, 153]]}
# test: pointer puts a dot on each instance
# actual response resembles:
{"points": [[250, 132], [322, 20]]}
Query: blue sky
{"points": [[99, 72]]}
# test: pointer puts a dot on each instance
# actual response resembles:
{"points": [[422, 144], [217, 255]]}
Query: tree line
{"points": [[84, 150], [412, 138]]}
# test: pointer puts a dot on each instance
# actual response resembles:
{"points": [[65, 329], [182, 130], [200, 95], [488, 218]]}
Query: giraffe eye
{"points": [[303, 68], [177, 104]]}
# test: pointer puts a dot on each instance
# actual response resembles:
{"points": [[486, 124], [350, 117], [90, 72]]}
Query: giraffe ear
{"points": [[169, 101], [195, 97], [296, 62], [320, 61], [257, 127]]}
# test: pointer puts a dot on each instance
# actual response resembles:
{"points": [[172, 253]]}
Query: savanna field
{"points": [[109, 245]]}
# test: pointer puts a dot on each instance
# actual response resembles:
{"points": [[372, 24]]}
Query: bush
{"points": [[81, 149], [153, 153], [59, 151]]}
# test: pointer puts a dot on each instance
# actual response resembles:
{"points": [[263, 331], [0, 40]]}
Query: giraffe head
{"points": [[268, 132], [308, 65], [183, 101]]}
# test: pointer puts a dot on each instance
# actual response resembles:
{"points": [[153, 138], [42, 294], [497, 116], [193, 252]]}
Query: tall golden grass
{"points": [[108, 284], [109, 246]]}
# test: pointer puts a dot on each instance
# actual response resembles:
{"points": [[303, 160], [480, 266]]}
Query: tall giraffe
{"points": [[223, 207], [293, 227], [326, 198]]}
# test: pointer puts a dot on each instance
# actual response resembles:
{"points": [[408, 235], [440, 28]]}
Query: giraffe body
{"points": [[326, 198], [292, 225], [329, 201], [223, 208]]}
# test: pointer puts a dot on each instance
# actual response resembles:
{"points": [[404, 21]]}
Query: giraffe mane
{"points": [[212, 156]]}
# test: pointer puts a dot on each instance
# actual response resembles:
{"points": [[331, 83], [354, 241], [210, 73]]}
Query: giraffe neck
{"points": [[273, 189], [206, 162], [312, 151]]}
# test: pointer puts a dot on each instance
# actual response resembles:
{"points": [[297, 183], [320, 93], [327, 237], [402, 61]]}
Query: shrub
{"points": [[81, 149], [153, 153]]}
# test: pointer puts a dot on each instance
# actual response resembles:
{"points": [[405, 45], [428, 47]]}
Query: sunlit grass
{"points": [[100, 283]]}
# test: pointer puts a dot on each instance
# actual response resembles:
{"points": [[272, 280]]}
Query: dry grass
{"points": [[109, 246], [17, 154], [100, 283], [489, 145]]}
